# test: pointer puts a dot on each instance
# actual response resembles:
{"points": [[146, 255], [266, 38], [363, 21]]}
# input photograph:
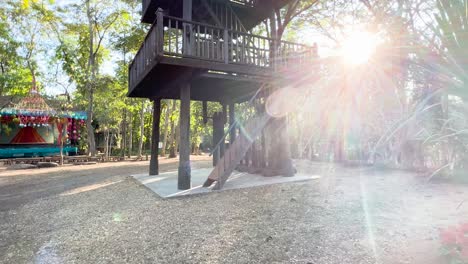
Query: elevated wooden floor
{"points": [[219, 63], [164, 79]]}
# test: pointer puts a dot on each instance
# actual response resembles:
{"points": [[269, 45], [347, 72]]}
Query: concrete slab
{"points": [[165, 184]]}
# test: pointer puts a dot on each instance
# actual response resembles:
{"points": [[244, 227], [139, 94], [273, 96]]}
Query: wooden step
{"points": [[236, 152]]}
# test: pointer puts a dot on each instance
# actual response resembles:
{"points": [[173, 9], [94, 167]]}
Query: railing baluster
{"points": [[177, 37], [199, 39], [214, 43], [207, 45], [226, 46]]}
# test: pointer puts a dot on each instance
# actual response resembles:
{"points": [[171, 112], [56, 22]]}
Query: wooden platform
{"points": [[219, 63], [165, 184]]}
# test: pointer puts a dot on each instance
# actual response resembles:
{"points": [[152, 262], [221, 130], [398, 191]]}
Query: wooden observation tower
{"points": [[204, 50]]}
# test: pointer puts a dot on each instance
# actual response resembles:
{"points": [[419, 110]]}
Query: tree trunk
{"points": [[166, 128], [154, 162], [279, 154], [142, 128], [62, 130], [124, 134], [90, 82], [177, 137], [111, 142], [173, 148], [106, 144], [130, 136]]}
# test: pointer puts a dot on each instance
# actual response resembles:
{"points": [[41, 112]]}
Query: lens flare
{"points": [[359, 48]]}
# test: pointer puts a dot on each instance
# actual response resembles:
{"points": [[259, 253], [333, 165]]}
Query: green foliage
{"points": [[452, 22], [15, 78]]}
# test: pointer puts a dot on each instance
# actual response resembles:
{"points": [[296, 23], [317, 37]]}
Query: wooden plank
{"points": [[184, 173], [232, 126], [217, 66]]}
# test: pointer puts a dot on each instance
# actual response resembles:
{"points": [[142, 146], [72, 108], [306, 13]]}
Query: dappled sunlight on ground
{"points": [[88, 188], [74, 168], [349, 215]]}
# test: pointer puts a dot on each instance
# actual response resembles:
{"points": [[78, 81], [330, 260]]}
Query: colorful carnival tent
{"points": [[32, 128]]}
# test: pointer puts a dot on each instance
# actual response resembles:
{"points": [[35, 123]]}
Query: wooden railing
{"points": [[145, 58], [193, 39], [176, 37], [244, 2]]}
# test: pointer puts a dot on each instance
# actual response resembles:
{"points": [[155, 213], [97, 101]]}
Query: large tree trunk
{"points": [[166, 128], [279, 156], [111, 143], [90, 82], [142, 128], [106, 144]]}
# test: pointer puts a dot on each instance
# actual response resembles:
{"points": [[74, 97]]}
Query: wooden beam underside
{"points": [[165, 79]]}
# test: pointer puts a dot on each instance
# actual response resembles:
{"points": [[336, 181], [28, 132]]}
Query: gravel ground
{"points": [[98, 214]]}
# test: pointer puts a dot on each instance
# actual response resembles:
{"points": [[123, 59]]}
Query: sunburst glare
{"points": [[359, 47]]}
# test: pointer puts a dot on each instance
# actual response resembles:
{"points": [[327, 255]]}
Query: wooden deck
{"points": [[174, 45]]}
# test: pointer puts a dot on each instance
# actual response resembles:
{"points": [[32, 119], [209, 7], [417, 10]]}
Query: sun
{"points": [[359, 48]]}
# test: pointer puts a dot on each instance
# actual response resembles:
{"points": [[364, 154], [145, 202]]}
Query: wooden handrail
{"points": [[179, 37], [192, 22], [244, 2]]}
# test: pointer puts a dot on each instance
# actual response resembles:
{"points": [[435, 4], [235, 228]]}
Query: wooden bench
{"points": [[75, 159], [52, 159], [25, 160]]}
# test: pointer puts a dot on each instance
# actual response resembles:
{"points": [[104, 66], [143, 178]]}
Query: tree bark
{"points": [[173, 147], [130, 136], [142, 128], [166, 128], [124, 134], [154, 162], [90, 82]]}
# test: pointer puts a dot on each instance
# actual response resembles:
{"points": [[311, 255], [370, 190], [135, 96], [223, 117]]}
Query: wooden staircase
{"points": [[236, 152]]}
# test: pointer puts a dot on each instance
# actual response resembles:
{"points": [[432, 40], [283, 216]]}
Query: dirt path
{"points": [[99, 215], [18, 187]]}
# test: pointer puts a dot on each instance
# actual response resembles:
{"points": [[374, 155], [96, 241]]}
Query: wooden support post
{"points": [[154, 162], [160, 31], [232, 120], [218, 133], [205, 112], [279, 154], [226, 46], [184, 178], [221, 128], [254, 155], [263, 152], [188, 36]]}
